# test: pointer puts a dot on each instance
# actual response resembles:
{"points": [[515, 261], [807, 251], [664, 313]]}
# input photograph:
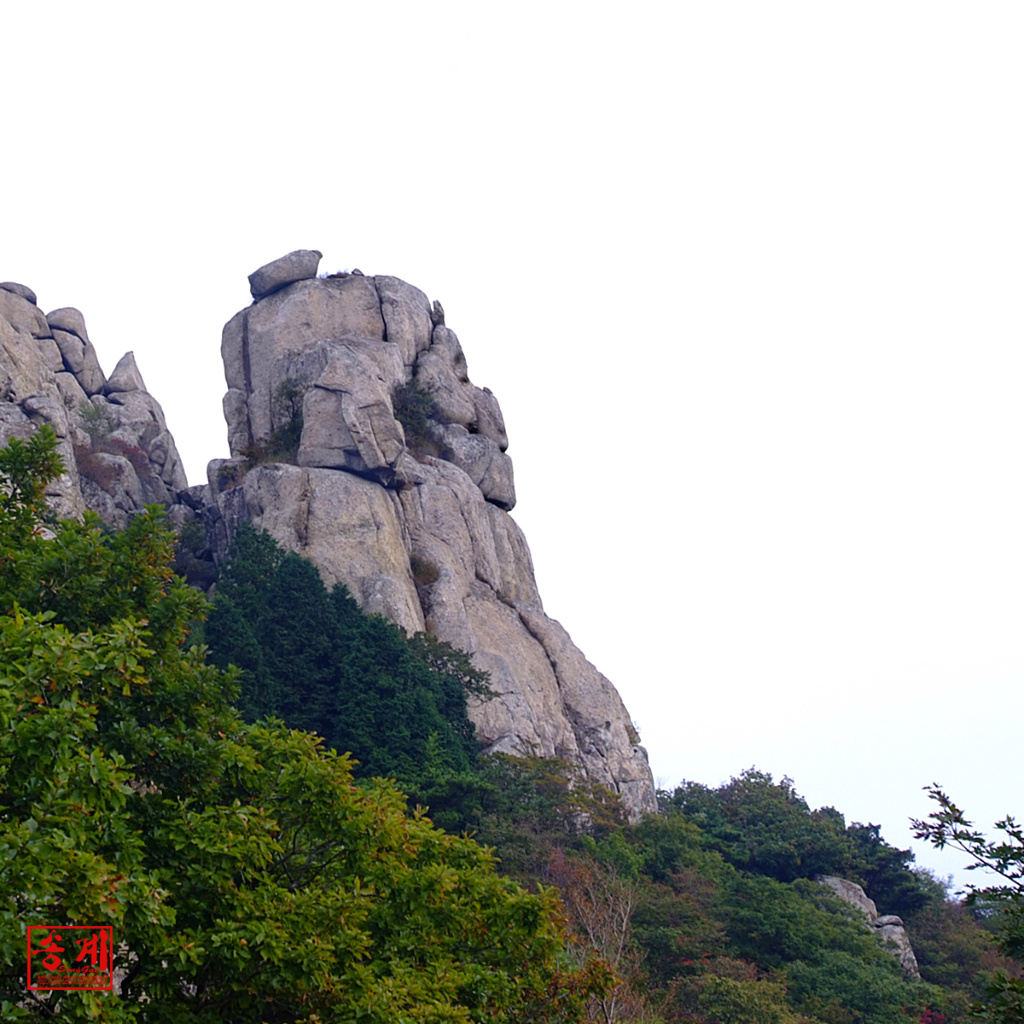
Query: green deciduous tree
{"points": [[766, 827], [246, 876], [1003, 857]]}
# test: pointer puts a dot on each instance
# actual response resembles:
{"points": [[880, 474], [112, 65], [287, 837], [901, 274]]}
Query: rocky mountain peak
{"points": [[359, 441]]}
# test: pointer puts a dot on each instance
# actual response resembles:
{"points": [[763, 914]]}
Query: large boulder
{"points": [[296, 266], [348, 420], [888, 927], [69, 331], [126, 376]]}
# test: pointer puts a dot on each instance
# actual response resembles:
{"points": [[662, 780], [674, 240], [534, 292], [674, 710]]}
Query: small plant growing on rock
{"points": [[283, 443], [137, 456], [230, 475], [96, 421], [287, 412], [416, 408], [192, 537]]}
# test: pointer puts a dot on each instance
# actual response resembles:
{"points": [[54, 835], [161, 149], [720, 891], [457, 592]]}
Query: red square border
{"points": [[70, 957]]}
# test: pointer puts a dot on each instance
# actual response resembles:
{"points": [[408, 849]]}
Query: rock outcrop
{"points": [[359, 441], [888, 927], [117, 450]]}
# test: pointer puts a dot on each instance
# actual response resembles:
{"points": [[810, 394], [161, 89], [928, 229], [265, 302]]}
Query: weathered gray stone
{"points": [[80, 359], [129, 425], [126, 376], [232, 350], [483, 461], [72, 350], [894, 936], [346, 525], [348, 421], [888, 927], [141, 424], [30, 396], [852, 893], [72, 393], [48, 408], [116, 449], [282, 334], [452, 397], [236, 412], [600, 721], [24, 316], [196, 497], [52, 358], [69, 319], [19, 289], [14, 423], [489, 421], [296, 266], [123, 484], [225, 474], [445, 345], [91, 378], [137, 415], [407, 317]]}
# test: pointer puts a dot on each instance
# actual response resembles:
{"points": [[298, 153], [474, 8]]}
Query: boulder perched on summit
{"points": [[359, 441], [296, 266]]}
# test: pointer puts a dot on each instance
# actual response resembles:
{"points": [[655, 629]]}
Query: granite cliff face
{"points": [[358, 441], [415, 523]]}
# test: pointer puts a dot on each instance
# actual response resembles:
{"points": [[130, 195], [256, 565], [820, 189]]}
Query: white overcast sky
{"points": [[745, 277]]}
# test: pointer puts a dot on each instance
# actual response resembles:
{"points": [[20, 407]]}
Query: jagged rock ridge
{"points": [[117, 450]]}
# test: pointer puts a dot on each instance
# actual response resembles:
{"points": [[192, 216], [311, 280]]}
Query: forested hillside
{"points": [[252, 873], [708, 912]]}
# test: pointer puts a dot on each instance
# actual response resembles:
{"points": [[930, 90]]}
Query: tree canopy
{"points": [[766, 827], [246, 876], [315, 660], [1004, 858]]}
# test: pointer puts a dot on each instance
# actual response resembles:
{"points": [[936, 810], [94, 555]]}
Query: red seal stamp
{"points": [[70, 956]]}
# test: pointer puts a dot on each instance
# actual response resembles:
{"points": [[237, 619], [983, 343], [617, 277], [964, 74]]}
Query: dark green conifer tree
{"points": [[297, 633], [318, 662]]}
